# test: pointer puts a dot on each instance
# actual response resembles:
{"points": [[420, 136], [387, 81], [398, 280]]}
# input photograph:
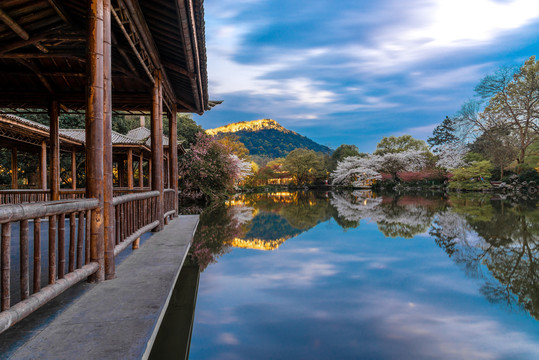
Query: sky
{"points": [[354, 71]]}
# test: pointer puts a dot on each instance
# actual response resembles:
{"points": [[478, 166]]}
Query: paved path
{"points": [[119, 319]]}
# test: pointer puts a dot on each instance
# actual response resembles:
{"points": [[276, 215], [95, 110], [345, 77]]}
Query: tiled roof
{"points": [[117, 138], [143, 133], [36, 125], [24, 121]]}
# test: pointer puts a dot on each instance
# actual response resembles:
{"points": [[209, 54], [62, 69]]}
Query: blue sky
{"points": [[353, 71]]}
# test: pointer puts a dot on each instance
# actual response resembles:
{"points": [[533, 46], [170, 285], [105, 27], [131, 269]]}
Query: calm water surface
{"points": [[359, 276]]}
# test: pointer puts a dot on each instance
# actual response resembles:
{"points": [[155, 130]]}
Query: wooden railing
{"points": [[22, 196], [77, 213], [169, 199], [135, 214]]}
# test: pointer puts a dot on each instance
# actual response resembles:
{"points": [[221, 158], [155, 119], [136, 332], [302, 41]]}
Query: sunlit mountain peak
{"points": [[254, 125]]}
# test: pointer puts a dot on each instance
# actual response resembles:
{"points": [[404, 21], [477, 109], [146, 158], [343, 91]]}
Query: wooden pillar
{"points": [[140, 170], [54, 118], [130, 178], [73, 169], [14, 169], [108, 207], [166, 171], [94, 133], [43, 166], [150, 173], [173, 154], [157, 146]]}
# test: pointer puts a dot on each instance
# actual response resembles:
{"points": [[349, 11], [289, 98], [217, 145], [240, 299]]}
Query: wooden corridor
{"points": [[96, 58]]}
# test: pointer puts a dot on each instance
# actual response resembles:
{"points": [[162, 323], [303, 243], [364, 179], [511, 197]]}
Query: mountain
{"points": [[267, 137]]}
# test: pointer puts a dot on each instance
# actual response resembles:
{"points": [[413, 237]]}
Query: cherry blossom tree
{"points": [[451, 156], [354, 170]]}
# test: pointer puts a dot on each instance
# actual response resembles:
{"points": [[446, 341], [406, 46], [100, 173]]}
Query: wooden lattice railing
{"points": [[62, 272], [60, 264], [169, 199], [21, 196], [134, 215]]}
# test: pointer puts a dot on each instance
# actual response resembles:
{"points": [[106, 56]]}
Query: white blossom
{"points": [[451, 156], [355, 170], [243, 167]]}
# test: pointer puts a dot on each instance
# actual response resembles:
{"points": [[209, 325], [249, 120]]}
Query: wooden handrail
{"points": [[76, 214], [18, 212]]}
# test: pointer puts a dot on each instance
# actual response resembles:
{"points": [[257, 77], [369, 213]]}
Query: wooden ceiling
{"points": [[43, 54]]}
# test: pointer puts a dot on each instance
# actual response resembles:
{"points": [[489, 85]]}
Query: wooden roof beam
{"points": [[30, 65], [139, 26], [42, 55], [13, 25], [197, 57], [185, 29], [53, 35], [60, 10]]}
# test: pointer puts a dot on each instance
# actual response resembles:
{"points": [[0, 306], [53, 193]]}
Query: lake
{"points": [[363, 276]]}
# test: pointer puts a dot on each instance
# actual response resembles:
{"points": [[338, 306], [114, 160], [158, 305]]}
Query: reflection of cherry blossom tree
{"points": [[354, 206], [394, 218]]}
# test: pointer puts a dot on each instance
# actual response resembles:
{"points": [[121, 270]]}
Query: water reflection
{"points": [[385, 286], [499, 236]]}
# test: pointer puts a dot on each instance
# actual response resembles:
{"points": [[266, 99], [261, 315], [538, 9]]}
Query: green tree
{"points": [[511, 102], [396, 144], [232, 143], [472, 177], [188, 130], [443, 133], [304, 165], [497, 145], [342, 152]]}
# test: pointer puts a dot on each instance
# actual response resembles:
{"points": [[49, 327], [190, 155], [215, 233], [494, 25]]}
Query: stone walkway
{"points": [[119, 319]]}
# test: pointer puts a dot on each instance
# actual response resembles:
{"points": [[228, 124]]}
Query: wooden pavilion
{"points": [[95, 57]]}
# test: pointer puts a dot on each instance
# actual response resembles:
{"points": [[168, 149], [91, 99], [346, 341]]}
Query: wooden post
{"points": [[54, 118], [150, 173], [173, 154], [166, 171], [94, 133], [140, 171], [130, 179], [110, 268], [14, 169], [73, 169], [157, 146], [43, 166]]}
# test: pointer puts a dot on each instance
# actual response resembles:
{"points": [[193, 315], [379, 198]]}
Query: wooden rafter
{"points": [[13, 25], [30, 65], [185, 28]]}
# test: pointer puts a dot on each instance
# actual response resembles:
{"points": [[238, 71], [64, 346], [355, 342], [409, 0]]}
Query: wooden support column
{"points": [[73, 169], [54, 118], [110, 268], [150, 173], [14, 169], [130, 178], [43, 166], [94, 133], [166, 172], [173, 154], [157, 145], [140, 170]]}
